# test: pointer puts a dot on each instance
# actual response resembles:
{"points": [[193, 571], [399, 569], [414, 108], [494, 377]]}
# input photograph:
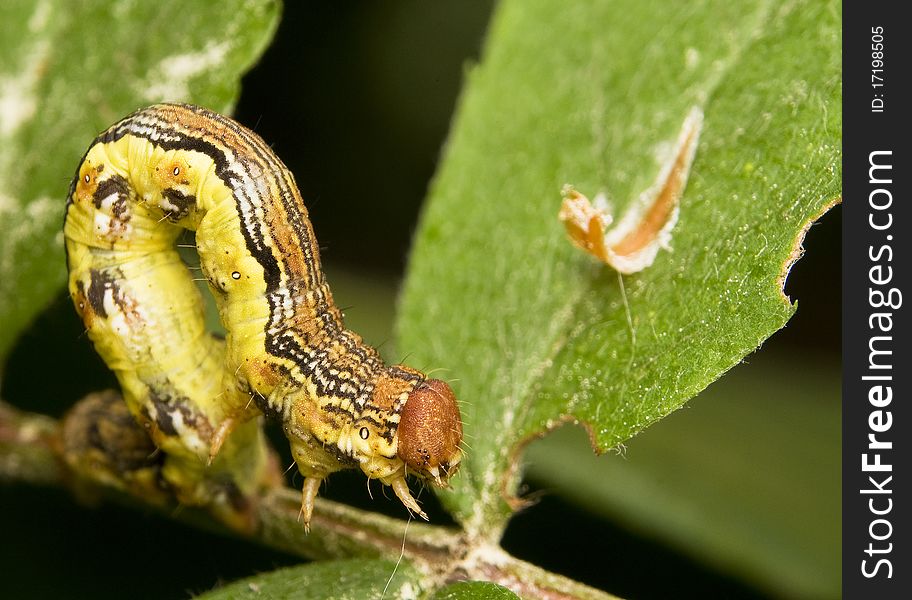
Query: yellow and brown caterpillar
{"points": [[171, 167]]}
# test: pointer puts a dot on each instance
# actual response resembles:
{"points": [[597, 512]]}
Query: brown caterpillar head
{"points": [[430, 432]]}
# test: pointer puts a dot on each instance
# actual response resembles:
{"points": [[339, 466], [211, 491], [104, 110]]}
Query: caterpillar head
{"points": [[430, 432]]}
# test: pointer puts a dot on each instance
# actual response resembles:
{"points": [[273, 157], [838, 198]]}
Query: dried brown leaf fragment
{"points": [[633, 243]]}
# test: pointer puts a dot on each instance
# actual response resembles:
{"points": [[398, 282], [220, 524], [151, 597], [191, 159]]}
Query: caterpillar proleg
{"points": [[171, 167]]}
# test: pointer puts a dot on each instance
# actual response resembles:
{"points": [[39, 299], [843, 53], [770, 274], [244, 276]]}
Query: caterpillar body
{"points": [[171, 167]]}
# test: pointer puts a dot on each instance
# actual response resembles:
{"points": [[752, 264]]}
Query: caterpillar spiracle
{"points": [[171, 167]]}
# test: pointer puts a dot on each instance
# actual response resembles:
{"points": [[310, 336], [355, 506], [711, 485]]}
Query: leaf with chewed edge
{"points": [[532, 331], [70, 69], [756, 456]]}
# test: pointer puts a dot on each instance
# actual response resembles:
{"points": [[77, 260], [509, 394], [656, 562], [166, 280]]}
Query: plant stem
{"points": [[29, 453], [27, 448]]}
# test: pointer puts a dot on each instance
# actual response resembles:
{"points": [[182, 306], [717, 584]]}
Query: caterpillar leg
{"points": [[101, 442], [400, 487], [219, 436], [224, 429], [315, 463], [308, 496]]}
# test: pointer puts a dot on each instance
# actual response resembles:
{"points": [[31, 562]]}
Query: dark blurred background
{"points": [[356, 98]]}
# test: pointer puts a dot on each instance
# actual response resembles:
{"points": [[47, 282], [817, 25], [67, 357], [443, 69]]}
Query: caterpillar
{"points": [[286, 353], [100, 437]]}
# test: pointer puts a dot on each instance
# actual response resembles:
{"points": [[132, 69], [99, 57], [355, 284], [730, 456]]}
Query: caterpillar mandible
{"points": [[171, 167]]}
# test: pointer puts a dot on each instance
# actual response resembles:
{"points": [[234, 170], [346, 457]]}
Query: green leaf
{"points": [[474, 590], [332, 580], [70, 69], [746, 479], [536, 333]]}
